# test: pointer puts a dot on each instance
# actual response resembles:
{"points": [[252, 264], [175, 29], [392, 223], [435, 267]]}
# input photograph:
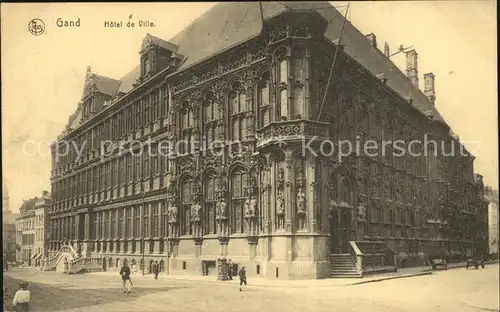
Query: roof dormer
{"points": [[155, 54]]}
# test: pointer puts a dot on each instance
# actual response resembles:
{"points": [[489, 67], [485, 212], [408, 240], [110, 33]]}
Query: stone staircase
{"points": [[342, 266]]}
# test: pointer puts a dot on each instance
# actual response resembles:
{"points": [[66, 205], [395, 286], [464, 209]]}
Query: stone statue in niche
{"points": [[281, 174], [172, 214], [221, 210], [250, 207], [195, 212], [301, 201], [280, 210]]}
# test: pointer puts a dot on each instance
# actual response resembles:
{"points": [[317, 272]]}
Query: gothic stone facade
{"points": [[262, 203]]}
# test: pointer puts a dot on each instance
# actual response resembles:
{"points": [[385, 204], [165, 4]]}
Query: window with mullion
{"points": [[147, 107], [210, 202], [264, 102], [186, 207], [137, 222], [154, 228], [155, 98], [146, 231], [239, 195], [128, 224]]}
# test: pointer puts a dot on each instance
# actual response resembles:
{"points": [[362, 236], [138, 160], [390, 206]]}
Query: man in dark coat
{"points": [[156, 270], [230, 269], [125, 273], [243, 277]]}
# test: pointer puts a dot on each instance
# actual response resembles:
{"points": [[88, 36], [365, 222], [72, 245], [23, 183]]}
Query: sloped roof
{"points": [[228, 24], [160, 42], [106, 85]]}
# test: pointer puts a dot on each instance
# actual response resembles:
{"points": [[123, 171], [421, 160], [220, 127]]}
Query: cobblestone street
{"points": [[452, 290]]}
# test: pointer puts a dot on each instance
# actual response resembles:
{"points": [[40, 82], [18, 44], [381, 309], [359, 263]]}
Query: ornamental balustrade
{"points": [[292, 130]]}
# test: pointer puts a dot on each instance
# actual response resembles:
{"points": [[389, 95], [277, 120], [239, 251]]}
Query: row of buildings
{"points": [[256, 196]]}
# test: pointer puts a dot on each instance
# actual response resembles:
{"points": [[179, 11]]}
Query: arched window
{"points": [[185, 213], [239, 183], [209, 117], [210, 201], [238, 108], [264, 100], [283, 84], [187, 124], [345, 192]]}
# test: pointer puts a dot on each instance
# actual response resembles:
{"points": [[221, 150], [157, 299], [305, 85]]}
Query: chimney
{"points": [[412, 66], [387, 50], [429, 90], [373, 39]]}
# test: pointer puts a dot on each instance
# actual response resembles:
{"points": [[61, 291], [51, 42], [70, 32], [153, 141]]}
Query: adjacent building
{"points": [[42, 226], [33, 230], [25, 233], [257, 198], [491, 197]]}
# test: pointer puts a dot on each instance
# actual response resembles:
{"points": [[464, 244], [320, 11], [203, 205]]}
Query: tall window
{"points": [[146, 169], [283, 84], [210, 202], [345, 192], [147, 209], [137, 108], [346, 120], [114, 234], [121, 171], [187, 125], [147, 66], [209, 117], [239, 183], [165, 102], [238, 108], [137, 222], [155, 105], [147, 102], [114, 173], [130, 125], [121, 227], [186, 190], [264, 100], [137, 170], [154, 228], [128, 224]]}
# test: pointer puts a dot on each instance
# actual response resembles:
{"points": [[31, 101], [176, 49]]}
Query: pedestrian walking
{"points": [[22, 298], [230, 269], [155, 269], [134, 269], [243, 277], [125, 273]]}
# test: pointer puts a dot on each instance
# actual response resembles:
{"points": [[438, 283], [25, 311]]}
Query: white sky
{"points": [[43, 75]]}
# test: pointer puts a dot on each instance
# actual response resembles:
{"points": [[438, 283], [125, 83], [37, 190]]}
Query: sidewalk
{"points": [[486, 299], [264, 282]]}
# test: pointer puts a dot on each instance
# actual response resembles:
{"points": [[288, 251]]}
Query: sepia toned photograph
{"points": [[250, 156]]}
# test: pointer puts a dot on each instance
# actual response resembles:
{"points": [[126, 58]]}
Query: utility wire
{"points": [[317, 8], [333, 63]]}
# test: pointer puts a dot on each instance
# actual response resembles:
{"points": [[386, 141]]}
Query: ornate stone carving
{"points": [[172, 213], [280, 204], [250, 208], [195, 212], [301, 202], [221, 211]]}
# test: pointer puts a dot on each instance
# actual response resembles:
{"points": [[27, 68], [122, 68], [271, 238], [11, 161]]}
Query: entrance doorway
{"points": [[340, 229]]}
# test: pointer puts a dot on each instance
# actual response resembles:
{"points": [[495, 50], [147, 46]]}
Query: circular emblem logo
{"points": [[36, 27]]}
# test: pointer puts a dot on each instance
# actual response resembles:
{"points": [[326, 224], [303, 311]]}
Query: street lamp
{"points": [[143, 245]]}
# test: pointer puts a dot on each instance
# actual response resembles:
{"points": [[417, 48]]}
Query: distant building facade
{"points": [[9, 241], [25, 233], [42, 227], [491, 197], [262, 203]]}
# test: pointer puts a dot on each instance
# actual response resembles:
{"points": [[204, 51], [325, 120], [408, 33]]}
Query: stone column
{"points": [[86, 238], [310, 190]]}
